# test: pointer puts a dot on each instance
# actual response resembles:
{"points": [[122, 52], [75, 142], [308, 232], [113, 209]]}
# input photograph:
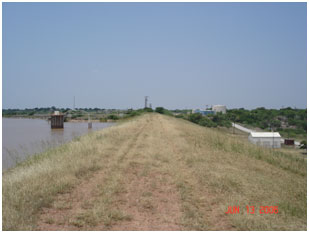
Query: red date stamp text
{"points": [[253, 210]]}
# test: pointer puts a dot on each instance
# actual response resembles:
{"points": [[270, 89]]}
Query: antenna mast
{"points": [[146, 99], [74, 103]]}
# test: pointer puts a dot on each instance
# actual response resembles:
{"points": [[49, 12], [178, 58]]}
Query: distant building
{"points": [[203, 112], [266, 139], [219, 108]]}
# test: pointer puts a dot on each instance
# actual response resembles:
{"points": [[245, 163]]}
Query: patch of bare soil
{"points": [[151, 202]]}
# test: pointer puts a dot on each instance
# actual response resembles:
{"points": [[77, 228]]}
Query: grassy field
{"points": [[156, 172]]}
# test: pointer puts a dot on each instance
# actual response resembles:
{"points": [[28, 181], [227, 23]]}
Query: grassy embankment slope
{"points": [[155, 173]]}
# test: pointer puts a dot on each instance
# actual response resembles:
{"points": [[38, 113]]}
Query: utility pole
{"points": [[234, 128], [233, 118], [146, 99], [272, 130], [74, 103]]}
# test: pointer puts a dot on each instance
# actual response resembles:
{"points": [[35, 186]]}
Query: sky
{"points": [[181, 55]]}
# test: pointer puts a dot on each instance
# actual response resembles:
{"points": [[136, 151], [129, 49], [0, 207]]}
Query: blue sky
{"points": [[182, 55]]}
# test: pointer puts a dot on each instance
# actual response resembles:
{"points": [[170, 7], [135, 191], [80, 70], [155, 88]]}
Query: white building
{"points": [[219, 108], [266, 139]]}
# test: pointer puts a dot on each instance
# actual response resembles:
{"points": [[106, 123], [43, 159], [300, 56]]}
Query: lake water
{"points": [[24, 137]]}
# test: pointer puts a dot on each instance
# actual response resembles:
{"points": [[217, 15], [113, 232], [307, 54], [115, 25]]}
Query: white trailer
{"points": [[266, 139]]}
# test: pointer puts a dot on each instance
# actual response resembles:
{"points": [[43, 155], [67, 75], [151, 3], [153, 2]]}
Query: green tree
{"points": [[113, 117], [160, 110], [148, 110], [195, 117]]}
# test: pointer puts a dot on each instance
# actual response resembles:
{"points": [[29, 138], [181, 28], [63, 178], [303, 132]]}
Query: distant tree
{"points": [[195, 117], [148, 110], [205, 121], [179, 116], [275, 123], [160, 110], [232, 117], [113, 117]]}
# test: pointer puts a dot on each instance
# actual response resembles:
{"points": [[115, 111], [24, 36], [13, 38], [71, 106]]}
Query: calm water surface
{"points": [[24, 137]]}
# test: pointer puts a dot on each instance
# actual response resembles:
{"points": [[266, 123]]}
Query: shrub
{"points": [[148, 110], [205, 121], [160, 110], [195, 117], [180, 116], [113, 117], [303, 145]]}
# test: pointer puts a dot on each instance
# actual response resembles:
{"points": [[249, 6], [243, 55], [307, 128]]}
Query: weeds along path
{"points": [[68, 210]]}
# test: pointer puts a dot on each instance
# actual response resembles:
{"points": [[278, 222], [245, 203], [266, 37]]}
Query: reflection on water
{"points": [[24, 137]]}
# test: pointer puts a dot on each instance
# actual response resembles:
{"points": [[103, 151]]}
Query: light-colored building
{"points": [[203, 112], [219, 108], [265, 139]]}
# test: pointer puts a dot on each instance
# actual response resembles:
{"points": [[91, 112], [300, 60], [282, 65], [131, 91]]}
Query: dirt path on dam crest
{"points": [[138, 187], [156, 172]]}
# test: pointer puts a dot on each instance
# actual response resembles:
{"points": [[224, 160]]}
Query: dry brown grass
{"points": [[156, 173]]}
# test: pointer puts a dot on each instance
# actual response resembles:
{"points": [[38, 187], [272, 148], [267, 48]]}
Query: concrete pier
{"points": [[57, 120]]}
